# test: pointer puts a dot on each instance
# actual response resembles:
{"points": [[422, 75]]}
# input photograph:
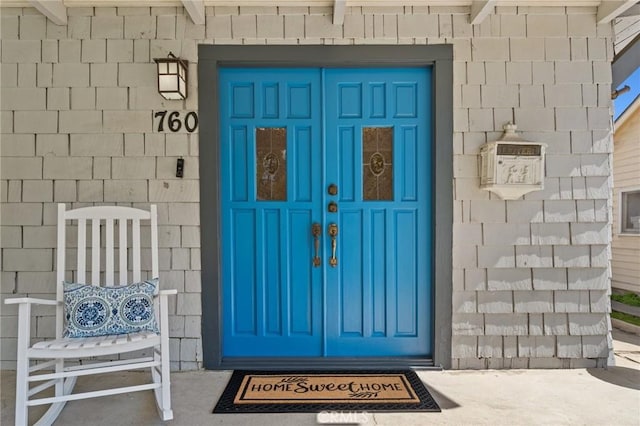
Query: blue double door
{"points": [[326, 212]]}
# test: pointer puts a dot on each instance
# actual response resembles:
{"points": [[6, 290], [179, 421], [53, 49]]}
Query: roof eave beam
{"points": [[339, 7], [195, 9], [480, 10], [609, 10], [55, 10]]}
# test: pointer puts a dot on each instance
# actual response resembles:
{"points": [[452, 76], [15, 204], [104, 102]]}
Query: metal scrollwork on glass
{"points": [[377, 167], [376, 163], [271, 163]]}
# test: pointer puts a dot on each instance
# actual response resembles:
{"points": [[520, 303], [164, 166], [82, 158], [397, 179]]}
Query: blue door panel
{"points": [[383, 279], [270, 99], [351, 297], [378, 99], [270, 266], [239, 163], [377, 300], [408, 159], [241, 101], [405, 99], [301, 307], [347, 173], [271, 297], [349, 100], [244, 273], [300, 102], [378, 271], [303, 163], [406, 287]]}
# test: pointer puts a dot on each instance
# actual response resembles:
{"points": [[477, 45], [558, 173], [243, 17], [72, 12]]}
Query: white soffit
{"points": [[478, 10], [626, 28], [608, 10]]}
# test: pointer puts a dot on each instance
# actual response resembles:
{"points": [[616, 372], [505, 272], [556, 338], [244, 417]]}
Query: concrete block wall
{"points": [[531, 276]]}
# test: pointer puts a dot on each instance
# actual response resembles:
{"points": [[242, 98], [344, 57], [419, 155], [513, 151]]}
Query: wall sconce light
{"points": [[172, 77]]}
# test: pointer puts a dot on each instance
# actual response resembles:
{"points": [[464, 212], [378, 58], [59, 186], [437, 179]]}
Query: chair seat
{"points": [[93, 346]]}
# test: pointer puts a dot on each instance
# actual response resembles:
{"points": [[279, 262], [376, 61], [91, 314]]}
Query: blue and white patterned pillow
{"points": [[97, 311]]}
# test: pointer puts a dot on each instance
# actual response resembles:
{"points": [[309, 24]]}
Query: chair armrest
{"points": [[31, 300], [168, 292]]}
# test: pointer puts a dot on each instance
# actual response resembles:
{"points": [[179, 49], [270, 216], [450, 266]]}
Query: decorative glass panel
{"points": [[271, 163], [377, 167]]}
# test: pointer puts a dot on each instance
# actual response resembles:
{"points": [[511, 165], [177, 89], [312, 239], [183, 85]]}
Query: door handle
{"points": [[333, 233], [316, 230]]}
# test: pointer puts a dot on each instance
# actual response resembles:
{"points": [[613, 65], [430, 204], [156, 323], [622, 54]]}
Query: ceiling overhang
{"points": [[625, 62], [608, 10], [56, 11]]}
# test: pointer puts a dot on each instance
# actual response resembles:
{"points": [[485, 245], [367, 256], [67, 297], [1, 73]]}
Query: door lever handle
{"points": [[333, 233], [316, 230]]}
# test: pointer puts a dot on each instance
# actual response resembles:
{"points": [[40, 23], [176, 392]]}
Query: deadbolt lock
{"points": [[333, 189], [333, 207]]}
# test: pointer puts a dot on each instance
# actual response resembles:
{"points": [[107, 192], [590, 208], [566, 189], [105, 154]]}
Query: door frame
{"points": [[210, 58]]}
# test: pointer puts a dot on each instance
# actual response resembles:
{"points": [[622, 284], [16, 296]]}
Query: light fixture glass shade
{"points": [[172, 77]]}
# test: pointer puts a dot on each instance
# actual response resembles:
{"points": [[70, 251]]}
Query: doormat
{"points": [[315, 391]]}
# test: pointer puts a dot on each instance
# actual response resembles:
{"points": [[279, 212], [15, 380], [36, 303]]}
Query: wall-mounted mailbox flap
{"points": [[511, 166]]}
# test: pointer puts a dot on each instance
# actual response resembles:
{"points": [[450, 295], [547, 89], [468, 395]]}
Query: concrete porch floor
{"points": [[489, 397]]}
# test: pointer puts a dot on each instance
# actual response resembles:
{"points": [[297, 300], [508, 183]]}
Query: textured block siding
{"points": [[531, 276]]}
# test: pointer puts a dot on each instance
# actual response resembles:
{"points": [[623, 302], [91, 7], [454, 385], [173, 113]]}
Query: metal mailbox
{"points": [[511, 166]]}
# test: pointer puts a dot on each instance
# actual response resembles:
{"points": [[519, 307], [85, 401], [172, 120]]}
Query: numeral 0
{"points": [[194, 124], [175, 123]]}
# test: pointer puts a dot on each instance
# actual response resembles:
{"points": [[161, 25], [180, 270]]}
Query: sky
{"points": [[622, 101]]}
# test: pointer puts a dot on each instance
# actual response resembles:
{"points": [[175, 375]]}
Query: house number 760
{"points": [[174, 121]]}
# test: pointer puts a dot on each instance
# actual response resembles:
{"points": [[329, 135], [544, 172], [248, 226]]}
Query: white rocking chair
{"points": [[64, 349]]}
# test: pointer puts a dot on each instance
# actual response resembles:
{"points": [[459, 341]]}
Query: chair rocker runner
{"points": [[55, 354]]}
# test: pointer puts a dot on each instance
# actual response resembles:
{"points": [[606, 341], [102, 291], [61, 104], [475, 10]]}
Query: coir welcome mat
{"points": [[315, 391]]}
